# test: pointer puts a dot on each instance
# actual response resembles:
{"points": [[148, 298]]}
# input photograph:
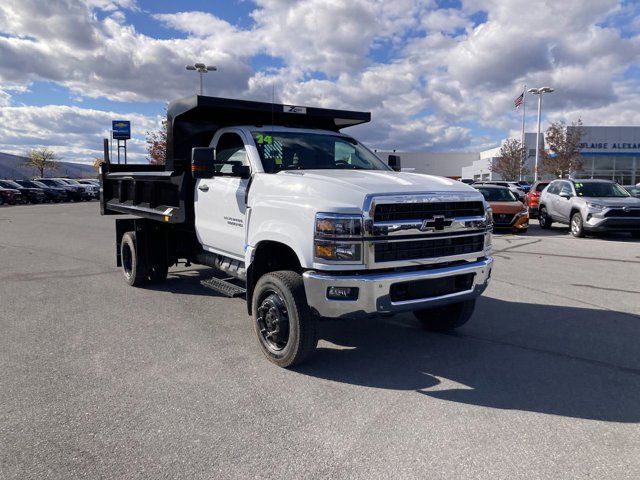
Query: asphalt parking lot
{"points": [[101, 380]]}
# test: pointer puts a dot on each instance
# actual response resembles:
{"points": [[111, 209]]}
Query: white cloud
{"points": [[431, 76], [72, 132]]}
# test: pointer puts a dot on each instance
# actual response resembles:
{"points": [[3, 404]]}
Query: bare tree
{"points": [[41, 158], [97, 162], [509, 164], [157, 145], [563, 155]]}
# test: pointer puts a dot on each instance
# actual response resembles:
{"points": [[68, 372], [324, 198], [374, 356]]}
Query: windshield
{"points": [[600, 189], [10, 184], [39, 184], [497, 194], [306, 151], [70, 182]]}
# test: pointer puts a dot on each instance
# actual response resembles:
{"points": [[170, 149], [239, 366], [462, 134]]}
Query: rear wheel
{"points": [[134, 271], [544, 218], [446, 317], [286, 329], [577, 227]]}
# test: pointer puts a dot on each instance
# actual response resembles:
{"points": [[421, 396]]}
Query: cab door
{"points": [[220, 206]]}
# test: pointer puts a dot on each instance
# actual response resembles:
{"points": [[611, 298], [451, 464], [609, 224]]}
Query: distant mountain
{"points": [[13, 166]]}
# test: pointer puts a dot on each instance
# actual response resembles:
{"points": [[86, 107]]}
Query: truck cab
{"points": [[303, 220]]}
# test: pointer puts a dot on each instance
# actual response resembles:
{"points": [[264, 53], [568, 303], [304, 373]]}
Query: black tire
{"points": [[577, 225], [544, 218], [1, 200], [134, 271], [446, 317], [635, 234], [287, 331]]}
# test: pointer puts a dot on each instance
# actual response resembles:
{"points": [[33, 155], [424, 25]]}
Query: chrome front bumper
{"points": [[374, 290]]}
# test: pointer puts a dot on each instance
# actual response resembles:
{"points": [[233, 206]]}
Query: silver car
{"points": [[590, 206]]}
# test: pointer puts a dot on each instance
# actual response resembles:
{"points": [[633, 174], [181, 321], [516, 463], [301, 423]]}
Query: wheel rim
{"points": [[273, 322], [575, 225], [543, 217], [127, 260]]}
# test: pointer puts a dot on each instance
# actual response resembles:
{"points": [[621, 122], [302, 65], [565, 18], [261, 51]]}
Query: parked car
{"points": [[91, 191], [51, 194], [532, 198], [519, 193], [32, 195], [10, 196], [94, 184], [75, 193], [508, 211], [635, 191], [523, 185], [590, 206]]}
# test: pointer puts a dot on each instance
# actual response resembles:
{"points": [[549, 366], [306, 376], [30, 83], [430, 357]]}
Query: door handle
{"points": [[204, 188]]}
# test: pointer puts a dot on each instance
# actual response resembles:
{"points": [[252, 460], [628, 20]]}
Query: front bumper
{"points": [[612, 224], [374, 290]]}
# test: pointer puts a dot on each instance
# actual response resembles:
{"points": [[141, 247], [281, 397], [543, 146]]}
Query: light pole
{"points": [[538, 91], [201, 68]]}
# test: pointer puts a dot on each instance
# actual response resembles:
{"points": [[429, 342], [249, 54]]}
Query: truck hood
{"points": [[345, 190]]}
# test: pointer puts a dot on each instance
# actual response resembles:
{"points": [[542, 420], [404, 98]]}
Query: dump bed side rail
{"points": [[146, 191]]}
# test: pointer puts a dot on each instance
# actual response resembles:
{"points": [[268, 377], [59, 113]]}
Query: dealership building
{"points": [[611, 153]]}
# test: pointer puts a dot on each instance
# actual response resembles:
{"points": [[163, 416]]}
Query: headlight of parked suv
{"points": [[595, 207], [338, 237]]}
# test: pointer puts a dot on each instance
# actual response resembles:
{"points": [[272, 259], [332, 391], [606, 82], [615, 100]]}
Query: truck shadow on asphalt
{"points": [[573, 362]]}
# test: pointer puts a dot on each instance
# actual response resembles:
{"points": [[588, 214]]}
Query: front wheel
{"points": [[544, 218], [286, 329], [446, 317], [577, 227]]}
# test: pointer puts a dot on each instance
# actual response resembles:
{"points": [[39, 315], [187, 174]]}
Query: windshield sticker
{"points": [[262, 139]]}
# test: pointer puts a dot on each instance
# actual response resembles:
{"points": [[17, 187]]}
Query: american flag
{"points": [[519, 99]]}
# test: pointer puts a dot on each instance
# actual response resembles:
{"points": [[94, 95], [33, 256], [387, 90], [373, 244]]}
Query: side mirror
{"points": [[394, 162], [566, 195], [202, 161]]}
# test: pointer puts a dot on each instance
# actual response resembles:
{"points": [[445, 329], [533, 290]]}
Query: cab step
{"points": [[224, 287]]}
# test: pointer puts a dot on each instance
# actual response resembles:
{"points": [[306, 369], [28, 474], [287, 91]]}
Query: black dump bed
{"points": [[165, 192]]}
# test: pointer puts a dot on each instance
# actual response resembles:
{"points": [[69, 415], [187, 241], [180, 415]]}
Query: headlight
{"points": [[338, 238], [488, 215], [330, 226], [596, 207], [339, 251]]}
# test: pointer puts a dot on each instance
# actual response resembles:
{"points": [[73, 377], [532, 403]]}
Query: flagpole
{"points": [[522, 144]]}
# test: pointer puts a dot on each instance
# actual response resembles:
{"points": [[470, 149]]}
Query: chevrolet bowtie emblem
{"points": [[435, 223]]}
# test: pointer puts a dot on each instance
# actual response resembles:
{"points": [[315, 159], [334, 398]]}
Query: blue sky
{"points": [[436, 75]]}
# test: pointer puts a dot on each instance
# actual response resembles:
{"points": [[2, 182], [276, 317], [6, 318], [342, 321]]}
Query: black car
{"points": [[75, 193], [9, 196], [33, 195], [51, 194]]}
